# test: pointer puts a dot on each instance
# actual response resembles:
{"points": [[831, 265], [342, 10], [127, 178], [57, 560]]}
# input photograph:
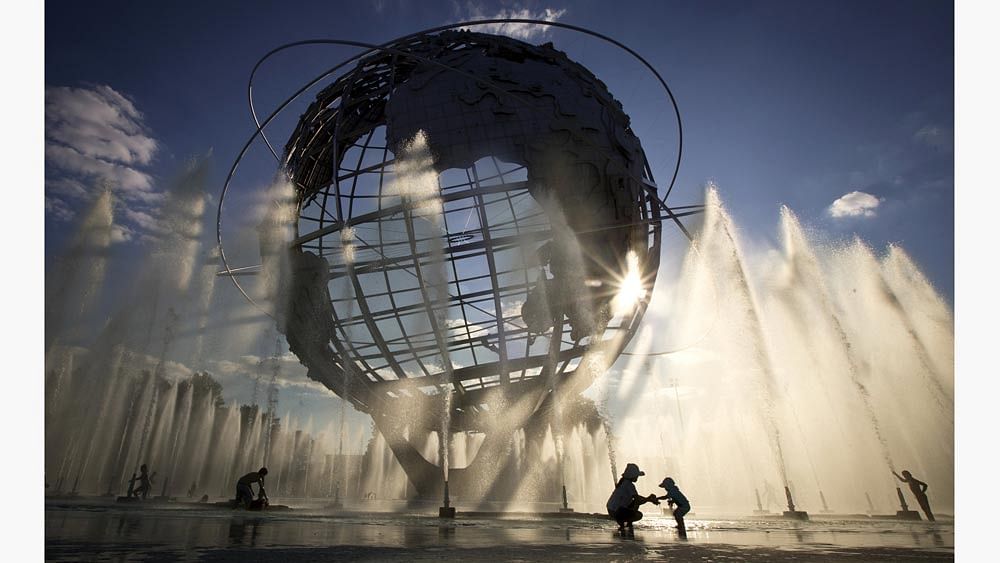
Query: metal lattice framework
{"points": [[385, 328], [494, 291]]}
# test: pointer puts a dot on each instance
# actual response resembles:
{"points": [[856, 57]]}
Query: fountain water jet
{"points": [[848, 368], [718, 229]]}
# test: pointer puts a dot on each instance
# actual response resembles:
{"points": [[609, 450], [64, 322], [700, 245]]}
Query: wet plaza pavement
{"points": [[98, 530]]}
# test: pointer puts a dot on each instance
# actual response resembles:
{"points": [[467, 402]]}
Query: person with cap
{"points": [[678, 502], [623, 505], [244, 494]]}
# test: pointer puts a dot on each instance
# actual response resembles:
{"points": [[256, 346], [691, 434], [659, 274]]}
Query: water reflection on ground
{"points": [[105, 532]]}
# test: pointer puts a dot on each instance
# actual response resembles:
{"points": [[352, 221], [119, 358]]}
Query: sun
{"points": [[630, 289]]}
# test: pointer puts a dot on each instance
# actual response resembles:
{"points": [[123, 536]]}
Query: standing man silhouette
{"points": [[919, 490]]}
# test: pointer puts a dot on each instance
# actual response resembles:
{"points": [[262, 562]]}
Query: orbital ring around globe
{"points": [[477, 44], [371, 48], [386, 47]]}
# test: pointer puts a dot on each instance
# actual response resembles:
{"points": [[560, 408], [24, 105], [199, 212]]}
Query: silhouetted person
{"points": [[191, 491], [919, 490], [674, 497], [244, 493], [623, 506], [145, 482]]}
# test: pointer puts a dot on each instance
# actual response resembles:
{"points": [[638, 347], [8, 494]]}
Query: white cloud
{"points": [[98, 122], [95, 138], [511, 309], [291, 373], [457, 329], [72, 160], [523, 31], [854, 204]]}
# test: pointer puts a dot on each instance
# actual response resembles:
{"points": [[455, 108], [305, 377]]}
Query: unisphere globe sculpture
{"points": [[477, 227]]}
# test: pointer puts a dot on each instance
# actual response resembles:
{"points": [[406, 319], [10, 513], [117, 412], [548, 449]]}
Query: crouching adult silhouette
{"points": [[244, 494], [623, 505]]}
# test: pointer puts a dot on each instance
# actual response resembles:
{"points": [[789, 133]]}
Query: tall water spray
{"points": [[782, 359], [416, 182], [718, 240], [79, 273], [802, 287]]}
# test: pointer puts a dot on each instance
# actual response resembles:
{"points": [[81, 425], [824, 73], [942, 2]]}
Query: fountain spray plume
{"points": [[116, 356], [717, 232], [900, 359], [205, 283], [416, 182], [926, 312], [168, 274], [888, 298], [347, 244], [930, 376], [276, 232], [182, 225], [158, 374], [80, 271], [813, 323], [588, 322], [609, 436], [807, 273]]}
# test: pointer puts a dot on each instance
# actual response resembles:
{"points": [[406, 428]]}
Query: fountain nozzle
{"points": [[904, 512], [791, 512], [565, 506], [788, 496], [760, 508], [822, 498], [902, 500], [446, 511]]}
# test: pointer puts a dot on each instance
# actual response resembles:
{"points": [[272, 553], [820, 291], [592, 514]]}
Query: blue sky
{"points": [[799, 103], [843, 111]]}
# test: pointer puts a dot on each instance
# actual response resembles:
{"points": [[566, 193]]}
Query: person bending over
{"points": [[623, 506], [244, 493]]}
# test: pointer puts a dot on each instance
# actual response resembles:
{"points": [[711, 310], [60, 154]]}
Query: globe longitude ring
{"points": [[476, 221]]}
